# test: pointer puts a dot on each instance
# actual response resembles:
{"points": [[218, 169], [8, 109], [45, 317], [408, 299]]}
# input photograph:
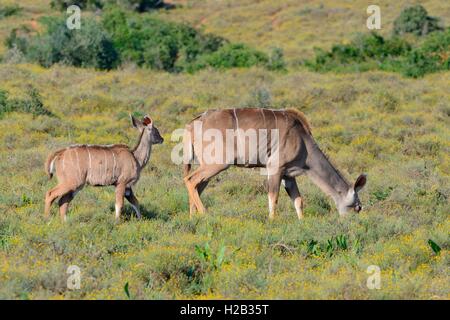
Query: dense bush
{"points": [[83, 4], [393, 54], [372, 51], [365, 50], [144, 40], [432, 56], [137, 5], [236, 55], [276, 60], [89, 46], [32, 105], [7, 11], [155, 43], [415, 20]]}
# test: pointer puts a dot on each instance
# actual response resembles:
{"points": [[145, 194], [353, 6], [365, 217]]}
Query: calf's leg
{"points": [[120, 192], [129, 195], [55, 193]]}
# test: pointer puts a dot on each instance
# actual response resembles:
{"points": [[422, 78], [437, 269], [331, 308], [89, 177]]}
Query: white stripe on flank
{"points": [[106, 166], [79, 168], [114, 165], [285, 118], [90, 164], [276, 121], [63, 158], [238, 133], [264, 117], [235, 117]]}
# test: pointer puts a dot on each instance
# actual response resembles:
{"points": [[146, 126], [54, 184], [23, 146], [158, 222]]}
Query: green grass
{"points": [[394, 129]]}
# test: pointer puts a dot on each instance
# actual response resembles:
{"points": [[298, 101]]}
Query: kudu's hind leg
{"points": [[53, 194], [129, 195], [200, 188], [274, 181], [64, 204], [197, 181], [290, 185]]}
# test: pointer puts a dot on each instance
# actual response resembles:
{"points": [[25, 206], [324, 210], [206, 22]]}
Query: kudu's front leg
{"points": [[120, 193], [292, 190], [274, 181]]}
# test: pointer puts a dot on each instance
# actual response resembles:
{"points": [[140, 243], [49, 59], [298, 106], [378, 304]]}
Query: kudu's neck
{"points": [[143, 149], [323, 173]]}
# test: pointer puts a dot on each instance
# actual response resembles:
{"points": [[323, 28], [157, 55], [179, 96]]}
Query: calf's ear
{"points": [[136, 123], [360, 182], [147, 120]]}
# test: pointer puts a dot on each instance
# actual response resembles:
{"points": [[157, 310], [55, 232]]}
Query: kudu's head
{"points": [[350, 201], [147, 128]]}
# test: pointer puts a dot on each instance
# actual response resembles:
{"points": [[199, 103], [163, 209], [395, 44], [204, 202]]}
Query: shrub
{"points": [[261, 98], [89, 46], [155, 43], [394, 54], [432, 56], [144, 40], [236, 56], [415, 20], [3, 102], [141, 5], [365, 48], [8, 11], [276, 60], [83, 4], [32, 105], [137, 5]]}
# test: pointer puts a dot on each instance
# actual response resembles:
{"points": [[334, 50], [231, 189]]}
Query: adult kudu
{"points": [[101, 165], [288, 151]]}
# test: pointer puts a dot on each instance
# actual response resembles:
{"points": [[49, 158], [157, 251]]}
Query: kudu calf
{"points": [[99, 165], [287, 152]]}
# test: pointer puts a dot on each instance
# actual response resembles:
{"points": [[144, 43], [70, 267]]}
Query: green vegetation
{"points": [[394, 128], [137, 5], [401, 142], [144, 40], [7, 11], [372, 51], [366, 51], [157, 44], [415, 20], [89, 46], [33, 105]]}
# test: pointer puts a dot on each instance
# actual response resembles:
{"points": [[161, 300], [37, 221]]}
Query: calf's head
{"points": [[147, 128]]}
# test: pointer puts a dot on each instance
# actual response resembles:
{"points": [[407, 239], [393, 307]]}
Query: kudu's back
{"points": [[248, 137]]}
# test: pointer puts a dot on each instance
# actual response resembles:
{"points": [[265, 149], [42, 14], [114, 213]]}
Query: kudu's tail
{"points": [[188, 150], [50, 163]]}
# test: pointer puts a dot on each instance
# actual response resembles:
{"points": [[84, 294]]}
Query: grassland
{"points": [[394, 129]]}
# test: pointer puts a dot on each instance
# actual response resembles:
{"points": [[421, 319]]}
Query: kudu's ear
{"points": [[136, 123], [147, 120], [360, 182]]}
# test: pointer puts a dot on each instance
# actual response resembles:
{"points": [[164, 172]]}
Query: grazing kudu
{"points": [[101, 165], [287, 152]]}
